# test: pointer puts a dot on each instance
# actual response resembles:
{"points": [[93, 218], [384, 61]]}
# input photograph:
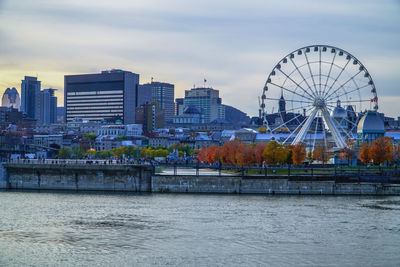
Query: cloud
{"points": [[233, 44]]}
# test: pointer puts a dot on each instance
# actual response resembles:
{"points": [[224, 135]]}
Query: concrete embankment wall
{"points": [[132, 178], [76, 177], [248, 185]]}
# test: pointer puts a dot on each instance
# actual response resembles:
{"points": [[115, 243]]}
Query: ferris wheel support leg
{"points": [[334, 130], [303, 131]]}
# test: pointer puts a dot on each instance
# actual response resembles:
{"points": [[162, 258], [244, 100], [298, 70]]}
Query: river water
{"points": [[71, 229]]}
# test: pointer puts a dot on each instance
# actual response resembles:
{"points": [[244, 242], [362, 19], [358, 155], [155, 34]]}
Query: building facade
{"points": [[48, 106], [106, 96], [30, 97], [206, 100], [151, 116], [164, 94]]}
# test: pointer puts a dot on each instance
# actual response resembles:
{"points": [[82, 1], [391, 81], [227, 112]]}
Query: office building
{"points": [[151, 116], [107, 96], [48, 106], [206, 100], [179, 106], [164, 94], [144, 94], [11, 99], [30, 97]]}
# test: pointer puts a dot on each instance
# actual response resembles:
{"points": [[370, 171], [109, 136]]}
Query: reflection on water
{"points": [[140, 230]]}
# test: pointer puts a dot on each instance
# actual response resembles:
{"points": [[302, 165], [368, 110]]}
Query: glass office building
{"points": [[106, 96]]}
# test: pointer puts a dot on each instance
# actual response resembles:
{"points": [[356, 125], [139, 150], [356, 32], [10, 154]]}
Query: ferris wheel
{"points": [[316, 94]]}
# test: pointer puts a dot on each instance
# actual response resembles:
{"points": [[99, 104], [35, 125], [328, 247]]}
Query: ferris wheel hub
{"points": [[319, 103]]}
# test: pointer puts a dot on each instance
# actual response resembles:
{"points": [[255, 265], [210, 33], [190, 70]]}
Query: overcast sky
{"points": [[233, 44]]}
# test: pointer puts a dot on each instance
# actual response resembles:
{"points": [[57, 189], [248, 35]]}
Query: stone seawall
{"points": [[141, 178], [248, 185], [76, 177]]}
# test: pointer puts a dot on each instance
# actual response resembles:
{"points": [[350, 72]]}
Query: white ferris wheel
{"points": [[316, 94]]}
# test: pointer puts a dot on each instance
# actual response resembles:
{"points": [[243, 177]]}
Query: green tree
{"points": [[64, 153]]}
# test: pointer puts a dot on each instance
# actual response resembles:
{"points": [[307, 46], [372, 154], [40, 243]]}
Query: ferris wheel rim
{"points": [[309, 88]]}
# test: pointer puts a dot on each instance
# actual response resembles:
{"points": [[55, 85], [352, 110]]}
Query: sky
{"points": [[234, 45]]}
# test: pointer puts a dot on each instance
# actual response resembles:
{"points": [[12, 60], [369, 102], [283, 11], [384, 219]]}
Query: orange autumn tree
{"points": [[245, 155], [381, 150], [202, 156], [228, 151], [364, 154], [299, 153], [212, 153], [258, 153]]}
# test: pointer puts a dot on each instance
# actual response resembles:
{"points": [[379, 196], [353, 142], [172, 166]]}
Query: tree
{"points": [[245, 155], [91, 137], [321, 154], [364, 154], [212, 154], [202, 156], [64, 153], [381, 150], [310, 157], [299, 153], [228, 152], [348, 152], [273, 152], [258, 153]]}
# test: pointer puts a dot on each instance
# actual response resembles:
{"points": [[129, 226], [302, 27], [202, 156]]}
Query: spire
{"points": [[282, 94]]}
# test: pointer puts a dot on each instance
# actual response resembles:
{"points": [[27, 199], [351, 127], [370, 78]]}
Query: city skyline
{"points": [[234, 46]]}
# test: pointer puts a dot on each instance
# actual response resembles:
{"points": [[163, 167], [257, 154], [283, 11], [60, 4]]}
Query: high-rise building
{"points": [[151, 116], [179, 106], [164, 94], [48, 106], [109, 95], [11, 99], [206, 100], [30, 97], [144, 94]]}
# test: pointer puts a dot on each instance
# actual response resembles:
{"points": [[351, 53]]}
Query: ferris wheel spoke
{"points": [[331, 107], [286, 123], [294, 131], [341, 86], [312, 75], [297, 108], [298, 85], [289, 100], [349, 92], [337, 77], [319, 72], [329, 73], [291, 91], [304, 79], [348, 101]]}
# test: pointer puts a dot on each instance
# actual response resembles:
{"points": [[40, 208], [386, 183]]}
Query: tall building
{"points": [[206, 100], [164, 94], [109, 95], [144, 94], [179, 106], [11, 99], [48, 106], [30, 97], [151, 116]]}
